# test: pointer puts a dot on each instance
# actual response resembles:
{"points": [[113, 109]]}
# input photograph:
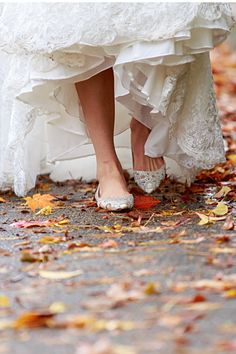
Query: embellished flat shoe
{"points": [[149, 181], [113, 203]]}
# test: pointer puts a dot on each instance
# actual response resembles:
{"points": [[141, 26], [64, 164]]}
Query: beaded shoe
{"points": [[149, 181], [113, 203]]}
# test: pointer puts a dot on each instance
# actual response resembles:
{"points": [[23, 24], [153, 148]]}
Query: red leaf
{"points": [[145, 202]]}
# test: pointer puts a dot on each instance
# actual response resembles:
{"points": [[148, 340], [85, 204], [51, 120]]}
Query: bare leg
{"points": [[139, 135], [96, 95]]}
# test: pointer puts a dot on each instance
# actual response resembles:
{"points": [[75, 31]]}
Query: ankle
{"points": [[108, 168]]}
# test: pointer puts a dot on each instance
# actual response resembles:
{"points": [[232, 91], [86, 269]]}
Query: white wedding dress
{"points": [[160, 56]]}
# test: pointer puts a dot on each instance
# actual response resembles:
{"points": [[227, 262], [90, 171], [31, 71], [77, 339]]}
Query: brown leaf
{"points": [[109, 244], [30, 256], [229, 223], [33, 319]]}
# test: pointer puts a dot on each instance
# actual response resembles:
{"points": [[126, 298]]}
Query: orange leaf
{"points": [[33, 319], [39, 201], [145, 202]]}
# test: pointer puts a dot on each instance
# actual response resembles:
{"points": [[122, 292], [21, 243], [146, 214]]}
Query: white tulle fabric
{"points": [[160, 56]]}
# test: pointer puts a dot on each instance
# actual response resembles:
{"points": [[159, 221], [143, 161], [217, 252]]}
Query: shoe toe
{"points": [[150, 187]]}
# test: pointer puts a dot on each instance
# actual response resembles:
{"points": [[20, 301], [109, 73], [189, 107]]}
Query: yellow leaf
{"points": [[232, 158], [230, 294], [50, 240], [204, 219], [39, 201], [220, 209], [57, 307], [223, 192], [2, 200], [4, 301], [45, 211], [60, 275], [151, 289]]}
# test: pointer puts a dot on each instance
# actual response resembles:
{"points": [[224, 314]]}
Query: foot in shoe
{"points": [[114, 203], [112, 192], [148, 172]]}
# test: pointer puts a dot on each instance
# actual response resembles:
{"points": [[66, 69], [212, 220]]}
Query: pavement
{"points": [[148, 281]]}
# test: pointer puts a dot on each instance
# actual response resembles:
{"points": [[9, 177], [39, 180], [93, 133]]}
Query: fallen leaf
{"points": [[4, 252], [220, 209], [145, 202], [57, 307], [151, 289], [232, 158], [222, 192], [45, 211], [204, 219], [23, 224], [33, 319], [59, 275], [50, 240], [29, 256], [230, 294], [223, 250], [229, 223], [39, 201], [109, 244], [4, 301], [2, 200]]}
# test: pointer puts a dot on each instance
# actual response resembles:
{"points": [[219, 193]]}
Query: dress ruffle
{"points": [[164, 83]]}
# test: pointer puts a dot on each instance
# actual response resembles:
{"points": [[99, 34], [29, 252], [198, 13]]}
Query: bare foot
{"points": [[111, 179], [141, 162]]}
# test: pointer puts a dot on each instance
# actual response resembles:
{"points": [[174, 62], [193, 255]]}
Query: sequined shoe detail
{"points": [[149, 181], [114, 204]]}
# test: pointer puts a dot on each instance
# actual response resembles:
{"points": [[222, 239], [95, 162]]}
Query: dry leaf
{"points": [[232, 158], [29, 256], [145, 202], [39, 201], [4, 301], [59, 275], [204, 219], [50, 240], [223, 192], [230, 294], [151, 289], [2, 200], [23, 224], [33, 319], [220, 209], [229, 223], [223, 250], [45, 211], [57, 307], [109, 244]]}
